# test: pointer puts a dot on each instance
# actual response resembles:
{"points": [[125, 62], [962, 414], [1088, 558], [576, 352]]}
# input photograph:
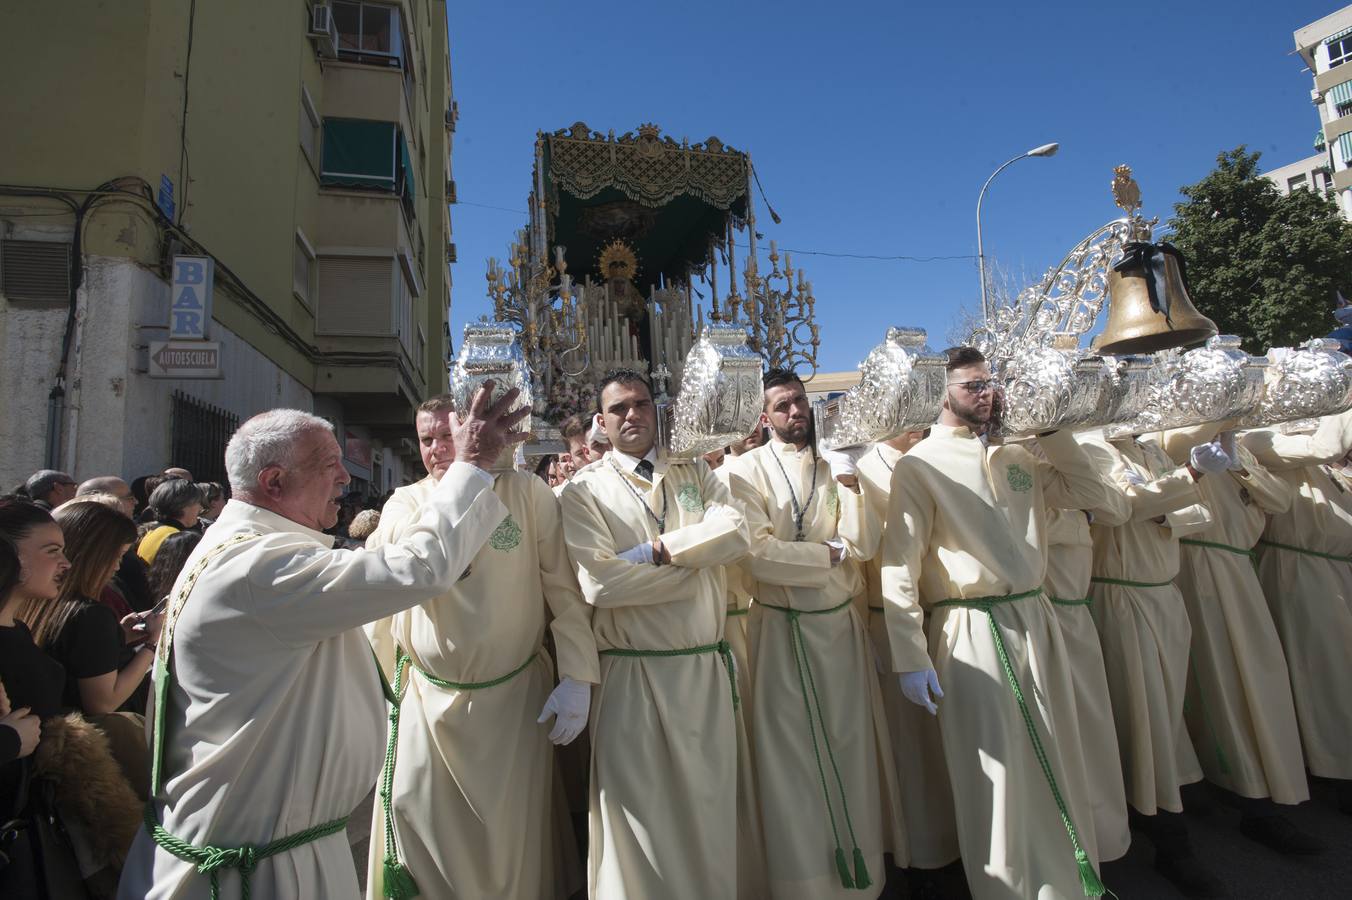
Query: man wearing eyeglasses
{"points": [[966, 546]]}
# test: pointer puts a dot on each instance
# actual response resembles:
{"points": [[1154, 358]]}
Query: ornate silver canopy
{"points": [[901, 388], [720, 394]]}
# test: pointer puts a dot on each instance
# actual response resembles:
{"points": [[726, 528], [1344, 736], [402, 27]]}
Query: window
{"points": [[303, 282], [1296, 183], [309, 126], [1344, 153], [1340, 50], [403, 310], [1343, 109], [359, 153], [35, 270], [369, 33], [355, 295]]}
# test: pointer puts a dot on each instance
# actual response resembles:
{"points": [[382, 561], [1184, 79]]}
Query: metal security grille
{"points": [[199, 433]]}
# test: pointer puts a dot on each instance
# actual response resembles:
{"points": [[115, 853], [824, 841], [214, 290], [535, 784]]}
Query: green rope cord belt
{"points": [[807, 684], [211, 860], [722, 648], [1062, 602], [397, 880], [1333, 556], [734, 611], [1089, 879], [1122, 582], [1216, 545]]}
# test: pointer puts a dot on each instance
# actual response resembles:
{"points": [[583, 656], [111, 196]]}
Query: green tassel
{"points": [[861, 879], [399, 883], [1089, 879], [844, 868]]}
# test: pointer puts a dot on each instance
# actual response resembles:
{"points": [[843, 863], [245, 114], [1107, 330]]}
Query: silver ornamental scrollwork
{"points": [[900, 389], [491, 351], [1307, 382], [1213, 383], [720, 395]]}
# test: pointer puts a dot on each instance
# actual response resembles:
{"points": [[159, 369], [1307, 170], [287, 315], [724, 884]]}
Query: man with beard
{"points": [[268, 705], [650, 540], [817, 721], [966, 545], [466, 805]]}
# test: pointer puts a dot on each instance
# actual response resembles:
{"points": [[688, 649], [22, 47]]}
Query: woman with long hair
{"points": [[169, 562], [79, 632], [174, 506]]}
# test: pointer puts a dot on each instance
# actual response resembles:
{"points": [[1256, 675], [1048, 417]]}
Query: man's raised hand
{"points": [[482, 433]]}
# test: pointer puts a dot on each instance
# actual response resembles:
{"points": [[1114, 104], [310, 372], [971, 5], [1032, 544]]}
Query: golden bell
{"points": [[1134, 326]]}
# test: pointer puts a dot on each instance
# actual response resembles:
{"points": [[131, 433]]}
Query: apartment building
{"points": [[1326, 48], [294, 156]]}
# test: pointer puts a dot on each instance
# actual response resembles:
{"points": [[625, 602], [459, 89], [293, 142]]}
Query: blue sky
{"points": [[873, 125]]}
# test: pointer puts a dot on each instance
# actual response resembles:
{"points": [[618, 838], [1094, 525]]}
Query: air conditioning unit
{"points": [[1316, 96], [450, 190], [450, 252], [452, 113], [323, 31]]}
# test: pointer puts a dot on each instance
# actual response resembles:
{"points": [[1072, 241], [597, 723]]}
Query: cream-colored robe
{"points": [[664, 817], [739, 604], [1091, 744], [968, 521], [1310, 596], [925, 794], [474, 792], [1144, 631], [788, 574], [276, 719], [1239, 709]]}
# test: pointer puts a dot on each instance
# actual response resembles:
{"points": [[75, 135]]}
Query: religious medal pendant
{"points": [[1244, 496]]}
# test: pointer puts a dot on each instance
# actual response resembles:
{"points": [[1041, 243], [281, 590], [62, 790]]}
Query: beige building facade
{"points": [[303, 147], [1326, 48]]}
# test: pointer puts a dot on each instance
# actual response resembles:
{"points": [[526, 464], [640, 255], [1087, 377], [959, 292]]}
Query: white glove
{"points": [[569, 704], [1209, 458], [1227, 444], [1134, 478], [639, 554], [844, 461], [918, 686]]}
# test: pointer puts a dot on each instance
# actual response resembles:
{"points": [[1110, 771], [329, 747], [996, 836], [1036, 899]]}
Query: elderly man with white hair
{"points": [[269, 713]]}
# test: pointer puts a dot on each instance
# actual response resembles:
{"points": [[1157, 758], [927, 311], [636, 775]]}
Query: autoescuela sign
{"points": [[190, 298]]}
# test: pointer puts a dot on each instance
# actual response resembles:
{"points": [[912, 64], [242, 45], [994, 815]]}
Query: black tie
{"points": [[644, 469]]}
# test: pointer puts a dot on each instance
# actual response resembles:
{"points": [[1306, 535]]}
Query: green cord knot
{"points": [[244, 858]]}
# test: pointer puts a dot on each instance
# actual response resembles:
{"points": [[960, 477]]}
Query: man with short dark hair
{"points": [[470, 779], [650, 539], [573, 430], [817, 719], [966, 547], [49, 488]]}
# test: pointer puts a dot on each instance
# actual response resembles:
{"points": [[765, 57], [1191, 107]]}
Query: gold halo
{"points": [[618, 253]]}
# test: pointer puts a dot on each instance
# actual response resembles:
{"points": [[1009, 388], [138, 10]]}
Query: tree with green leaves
{"points": [[1261, 265]]}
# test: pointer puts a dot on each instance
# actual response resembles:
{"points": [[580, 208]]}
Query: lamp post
{"points": [[1044, 150]]}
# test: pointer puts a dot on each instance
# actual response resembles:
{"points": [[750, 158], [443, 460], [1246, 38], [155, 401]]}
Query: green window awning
{"points": [[1341, 93], [1345, 147], [359, 153], [1319, 142], [407, 165]]}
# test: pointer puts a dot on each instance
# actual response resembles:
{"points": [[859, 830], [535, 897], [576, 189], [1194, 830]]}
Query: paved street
{"points": [[1249, 871]]}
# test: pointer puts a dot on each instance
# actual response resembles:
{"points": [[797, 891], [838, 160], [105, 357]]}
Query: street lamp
{"points": [[1044, 150]]}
